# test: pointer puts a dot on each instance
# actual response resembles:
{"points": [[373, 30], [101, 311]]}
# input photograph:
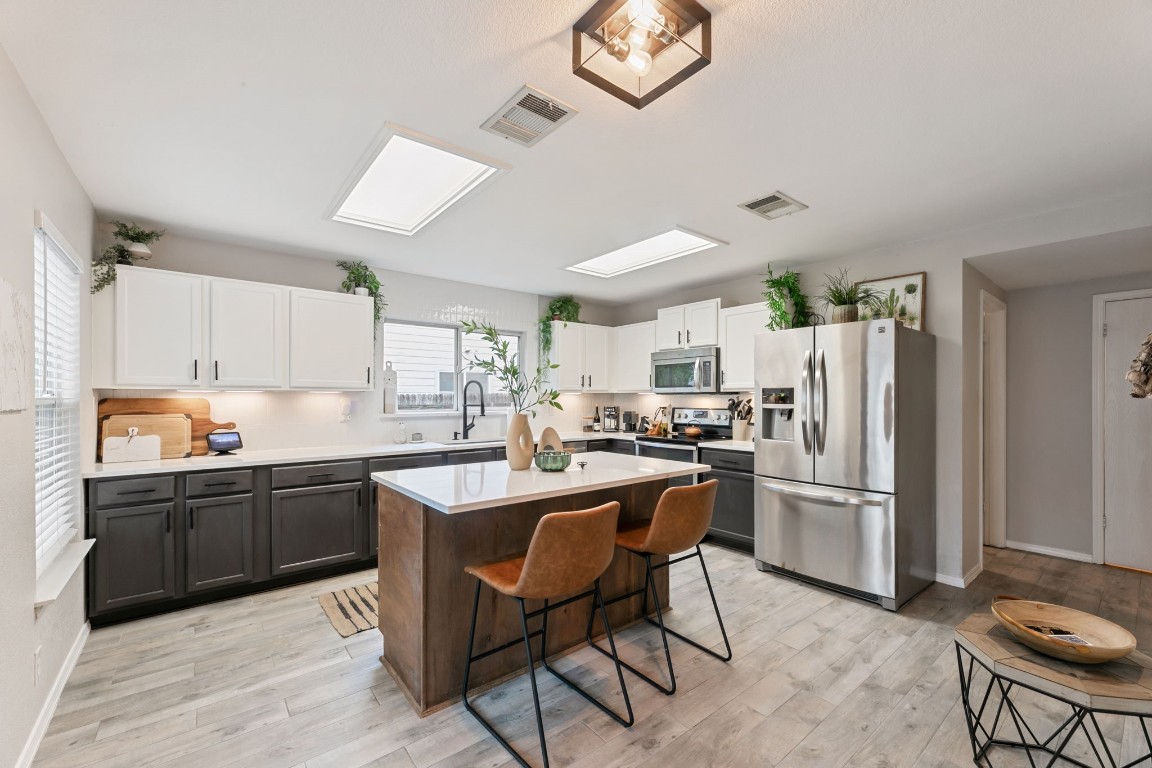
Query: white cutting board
{"points": [[136, 448]]}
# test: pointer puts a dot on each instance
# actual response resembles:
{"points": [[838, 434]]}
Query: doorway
{"points": [[993, 418], [1122, 433]]}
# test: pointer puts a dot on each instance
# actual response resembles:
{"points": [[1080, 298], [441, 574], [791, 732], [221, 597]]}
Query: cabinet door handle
{"points": [[589, 381], [216, 370], [359, 498], [688, 333], [168, 521], [581, 381], [191, 518], [678, 335], [325, 474], [369, 374], [195, 370], [133, 493], [723, 376], [214, 485]]}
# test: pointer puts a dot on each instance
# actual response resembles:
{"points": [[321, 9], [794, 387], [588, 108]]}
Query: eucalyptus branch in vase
{"points": [[504, 366]]}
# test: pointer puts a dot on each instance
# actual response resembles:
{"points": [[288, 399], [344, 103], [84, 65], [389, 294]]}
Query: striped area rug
{"points": [[352, 610]]}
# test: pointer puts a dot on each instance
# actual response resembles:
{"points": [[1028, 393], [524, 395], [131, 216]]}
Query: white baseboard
{"points": [[49, 708], [1067, 554], [961, 583]]}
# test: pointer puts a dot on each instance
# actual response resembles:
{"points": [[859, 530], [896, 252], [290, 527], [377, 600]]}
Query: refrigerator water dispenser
{"points": [[777, 410]]}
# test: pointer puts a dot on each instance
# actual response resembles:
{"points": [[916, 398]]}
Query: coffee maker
{"points": [[611, 418], [629, 424]]}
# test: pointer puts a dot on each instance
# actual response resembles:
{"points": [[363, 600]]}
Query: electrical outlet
{"points": [[36, 665], [345, 409]]}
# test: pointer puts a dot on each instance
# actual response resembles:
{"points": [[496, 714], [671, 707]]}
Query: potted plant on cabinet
{"points": [[137, 238], [563, 308], [788, 307], [845, 297], [525, 394], [361, 280]]}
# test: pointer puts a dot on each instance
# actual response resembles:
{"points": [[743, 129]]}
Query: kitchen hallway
{"points": [[817, 679]]}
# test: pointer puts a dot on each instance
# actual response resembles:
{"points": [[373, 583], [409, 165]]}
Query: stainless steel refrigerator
{"points": [[846, 458]]}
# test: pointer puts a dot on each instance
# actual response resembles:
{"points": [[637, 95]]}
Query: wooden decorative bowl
{"points": [[1063, 633]]}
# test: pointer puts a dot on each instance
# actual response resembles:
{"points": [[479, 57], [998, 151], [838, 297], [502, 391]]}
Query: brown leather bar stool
{"points": [[568, 551], [679, 523]]}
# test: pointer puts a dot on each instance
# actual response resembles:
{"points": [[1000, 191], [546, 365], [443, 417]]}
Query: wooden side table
{"points": [[993, 666]]}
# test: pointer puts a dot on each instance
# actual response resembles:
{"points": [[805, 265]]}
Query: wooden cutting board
{"points": [[173, 429], [197, 407]]}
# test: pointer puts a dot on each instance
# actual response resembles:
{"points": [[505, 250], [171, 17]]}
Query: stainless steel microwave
{"points": [[686, 370]]}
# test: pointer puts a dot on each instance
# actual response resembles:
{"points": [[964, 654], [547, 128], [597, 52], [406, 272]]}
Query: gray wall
{"points": [[35, 177], [1050, 412]]}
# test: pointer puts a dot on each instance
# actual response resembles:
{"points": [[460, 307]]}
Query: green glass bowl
{"points": [[553, 461]]}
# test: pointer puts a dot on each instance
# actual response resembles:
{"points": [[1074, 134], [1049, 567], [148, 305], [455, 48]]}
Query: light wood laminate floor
{"points": [[817, 679]]}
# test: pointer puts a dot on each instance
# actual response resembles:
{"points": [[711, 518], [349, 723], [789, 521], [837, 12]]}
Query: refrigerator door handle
{"points": [[830, 497], [805, 401], [820, 402]]}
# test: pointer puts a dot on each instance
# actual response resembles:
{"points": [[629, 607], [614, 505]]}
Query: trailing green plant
{"points": [[104, 265], [780, 291], [130, 233], [840, 291], [563, 308], [504, 366], [360, 275]]}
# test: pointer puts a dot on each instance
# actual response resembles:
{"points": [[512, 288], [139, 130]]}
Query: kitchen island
{"points": [[436, 520]]}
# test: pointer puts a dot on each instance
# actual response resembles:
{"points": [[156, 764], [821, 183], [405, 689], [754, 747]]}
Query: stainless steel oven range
{"points": [[713, 423]]}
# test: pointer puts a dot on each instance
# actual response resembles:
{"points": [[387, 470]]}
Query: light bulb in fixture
{"points": [[639, 62], [638, 37], [642, 11]]}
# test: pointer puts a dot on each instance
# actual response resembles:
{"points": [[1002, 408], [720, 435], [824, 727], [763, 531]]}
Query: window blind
{"points": [[57, 397]]}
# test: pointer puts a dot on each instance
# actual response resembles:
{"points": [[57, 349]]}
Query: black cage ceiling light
{"points": [[638, 50]]}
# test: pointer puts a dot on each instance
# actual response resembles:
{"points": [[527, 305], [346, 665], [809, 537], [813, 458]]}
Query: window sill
{"points": [[56, 576]]}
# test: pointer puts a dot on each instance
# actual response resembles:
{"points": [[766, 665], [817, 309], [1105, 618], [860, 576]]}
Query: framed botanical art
{"points": [[902, 297]]}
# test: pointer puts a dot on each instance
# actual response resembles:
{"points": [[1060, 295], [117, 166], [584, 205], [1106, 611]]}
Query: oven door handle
{"points": [[668, 446]]}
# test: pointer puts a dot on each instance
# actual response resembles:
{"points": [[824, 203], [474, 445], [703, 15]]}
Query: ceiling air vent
{"points": [[774, 206], [528, 117]]}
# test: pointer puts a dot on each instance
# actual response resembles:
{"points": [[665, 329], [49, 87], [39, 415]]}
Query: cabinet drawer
{"points": [[734, 460], [219, 483], [406, 462], [598, 445], [624, 446], [139, 489], [314, 474], [577, 446], [472, 457]]}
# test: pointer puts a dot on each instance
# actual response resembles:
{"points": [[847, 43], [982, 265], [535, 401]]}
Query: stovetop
{"points": [[683, 439], [713, 423]]}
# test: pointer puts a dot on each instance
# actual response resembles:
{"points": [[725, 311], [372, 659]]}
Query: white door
{"points": [[596, 358], [1127, 439], [568, 353], [738, 329], [670, 328], [249, 334], [634, 347], [702, 324], [331, 343], [158, 328]]}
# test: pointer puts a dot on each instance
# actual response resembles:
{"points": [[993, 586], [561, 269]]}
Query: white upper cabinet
{"points": [[738, 329], [634, 347], [331, 340], [688, 325], [158, 328], [248, 333], [583, 353]]}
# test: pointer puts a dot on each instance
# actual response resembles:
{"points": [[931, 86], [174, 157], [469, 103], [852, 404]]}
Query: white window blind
{"points": [[57, 394]]}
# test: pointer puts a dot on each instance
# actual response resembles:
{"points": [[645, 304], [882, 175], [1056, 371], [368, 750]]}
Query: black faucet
{"points": [[468, 426]]}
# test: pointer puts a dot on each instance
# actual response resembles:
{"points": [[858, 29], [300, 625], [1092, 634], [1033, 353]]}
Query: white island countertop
{"points": [[465, 487]]}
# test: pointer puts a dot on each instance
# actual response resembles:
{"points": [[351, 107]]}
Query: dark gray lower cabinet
{"points": [[219, 548], [387, 465], [135, 556], [472, 457], [733, 519], [316, 526]]}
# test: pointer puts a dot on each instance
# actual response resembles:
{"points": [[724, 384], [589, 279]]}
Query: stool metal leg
{"points": [[650, 584]]}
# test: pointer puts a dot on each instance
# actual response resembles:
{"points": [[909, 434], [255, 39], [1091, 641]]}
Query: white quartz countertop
{"points": [[249, 458], [465, 487]]}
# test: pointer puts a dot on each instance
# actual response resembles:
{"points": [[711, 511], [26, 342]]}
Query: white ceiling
{"points": [[894, 120], [1111, 255]]}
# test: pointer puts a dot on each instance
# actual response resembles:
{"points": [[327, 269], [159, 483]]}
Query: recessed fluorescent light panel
{"points": [[408, 179], [670, 245]]}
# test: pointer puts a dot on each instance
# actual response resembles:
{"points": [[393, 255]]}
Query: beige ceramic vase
{"points": [[518, 443], [845, 313], [550, 437]]}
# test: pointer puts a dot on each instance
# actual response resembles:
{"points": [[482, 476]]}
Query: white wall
{"points": [[35, 176], [299, 419], [1050, 411]]}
